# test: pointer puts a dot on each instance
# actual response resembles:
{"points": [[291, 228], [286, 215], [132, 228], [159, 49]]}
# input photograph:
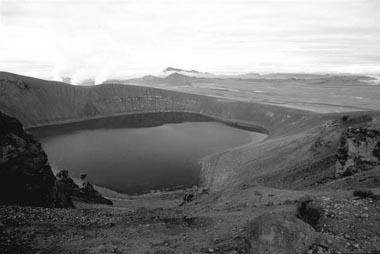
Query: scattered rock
{"points": [[188, 197], [364, 194], [352, 120]]}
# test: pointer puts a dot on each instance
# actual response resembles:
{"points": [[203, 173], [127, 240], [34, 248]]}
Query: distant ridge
{"points": [[176, 76], [179, 70], [191, 73]]}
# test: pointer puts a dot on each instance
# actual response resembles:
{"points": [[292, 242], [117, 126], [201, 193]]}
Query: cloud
{"points": [[115, 38]]}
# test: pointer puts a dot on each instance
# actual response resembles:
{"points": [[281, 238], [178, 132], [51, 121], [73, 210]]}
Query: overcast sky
{"points": [[114, 38]]}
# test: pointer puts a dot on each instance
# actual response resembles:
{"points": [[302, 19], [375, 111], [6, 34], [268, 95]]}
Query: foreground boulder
{"points": [[85, 193], [310, 211], [25, 175], [280, 234]]}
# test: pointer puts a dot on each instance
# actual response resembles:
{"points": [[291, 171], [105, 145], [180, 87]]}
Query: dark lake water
{"points": [[137, 160]]}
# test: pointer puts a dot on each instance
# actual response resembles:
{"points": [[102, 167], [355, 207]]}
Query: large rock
{"points": [[85, 193], [90, 195], [310, 211], [359, 150], [25, 175], [280, 234]]}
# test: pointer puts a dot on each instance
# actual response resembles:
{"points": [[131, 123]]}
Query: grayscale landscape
{"points": [[134, 156]]}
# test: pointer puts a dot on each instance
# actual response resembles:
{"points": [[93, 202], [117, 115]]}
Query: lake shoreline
{"points": [[178, 148]]}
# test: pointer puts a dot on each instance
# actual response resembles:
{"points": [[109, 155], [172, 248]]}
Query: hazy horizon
{"points": [[109, 39]]}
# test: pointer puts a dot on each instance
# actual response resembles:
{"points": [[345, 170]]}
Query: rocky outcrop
{"points": [[279, 233], [12, 81], [85, 193], [359, 151], [90, 195], [25, 175]]}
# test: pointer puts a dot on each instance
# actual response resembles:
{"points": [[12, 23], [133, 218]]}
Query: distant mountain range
{"points": [[252, 75], [174, 79], [179, 77]]}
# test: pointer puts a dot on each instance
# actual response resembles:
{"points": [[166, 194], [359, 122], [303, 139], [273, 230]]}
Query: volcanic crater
{"points": [[297, 155]]}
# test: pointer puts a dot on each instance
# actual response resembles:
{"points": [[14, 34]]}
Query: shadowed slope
{"points": [[25, 174]]}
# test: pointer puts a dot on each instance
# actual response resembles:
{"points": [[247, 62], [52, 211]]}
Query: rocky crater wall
{"points": [[38, 103]]}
